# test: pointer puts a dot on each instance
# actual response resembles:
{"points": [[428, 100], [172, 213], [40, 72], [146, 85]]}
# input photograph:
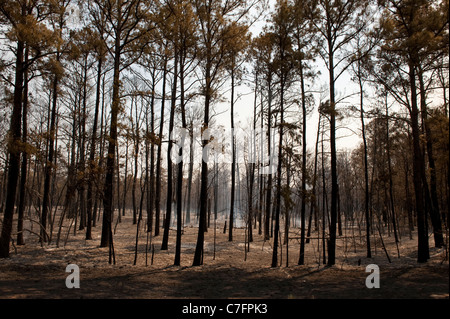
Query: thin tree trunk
{"points": [[423, 247], [151, 180], [233, 163], [82, 164], [333, 154], [158, 157], [122, 204], [180, 167], [261, 176], [269, 177], [324, 201], [198, 255], [169, 198], [391, 192], [434, 211], [13, 153], [313, 208], [107, 235], [90, 192], [136, 138], [190, 174], [278, 197], [252, 175], [301, 260], [51, 151], [366, 164], [99, 197], [24, 165]]}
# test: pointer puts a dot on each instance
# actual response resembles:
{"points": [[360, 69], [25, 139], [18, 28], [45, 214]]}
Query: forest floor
{"points": [[39, 271]]}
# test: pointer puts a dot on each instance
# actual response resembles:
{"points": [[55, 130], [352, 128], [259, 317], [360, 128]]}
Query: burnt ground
{"points": [[36, 271]]}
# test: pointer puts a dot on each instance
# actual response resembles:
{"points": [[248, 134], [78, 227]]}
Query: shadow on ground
{"points": [[48, 282]]}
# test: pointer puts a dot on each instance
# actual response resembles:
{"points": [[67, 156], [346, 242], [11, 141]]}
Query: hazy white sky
{"points": [[344, 87]]}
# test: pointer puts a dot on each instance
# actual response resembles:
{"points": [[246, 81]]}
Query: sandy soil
{"points": [[35, 271]]}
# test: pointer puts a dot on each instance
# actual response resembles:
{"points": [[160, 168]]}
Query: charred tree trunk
{"points": [[391, 186], [423, 247], [150, 176], [366, 164], [13, 153], [198, 255], [108, 193], [169, 198], [90, 192], [50, 157], [434, 211], [82, 146], [233, 163], [301, 260], [180, 166], [279, 166], [24, 165], [269, 177], [333, 154], [158, 157]]}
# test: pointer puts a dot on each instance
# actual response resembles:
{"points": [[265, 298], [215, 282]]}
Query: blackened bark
{"points": [[423, 247], [233, 163], [391, 185], [92, 175], [158, 156], [434, 211], [180, 167], [150, 176], [278, 190], [24, 165], [269, 177], [82, 146], [169, 198], [13, 153], [107, 236], [198, 255], [334, 181], [51, 152], [366, 165], [301, 260]]}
